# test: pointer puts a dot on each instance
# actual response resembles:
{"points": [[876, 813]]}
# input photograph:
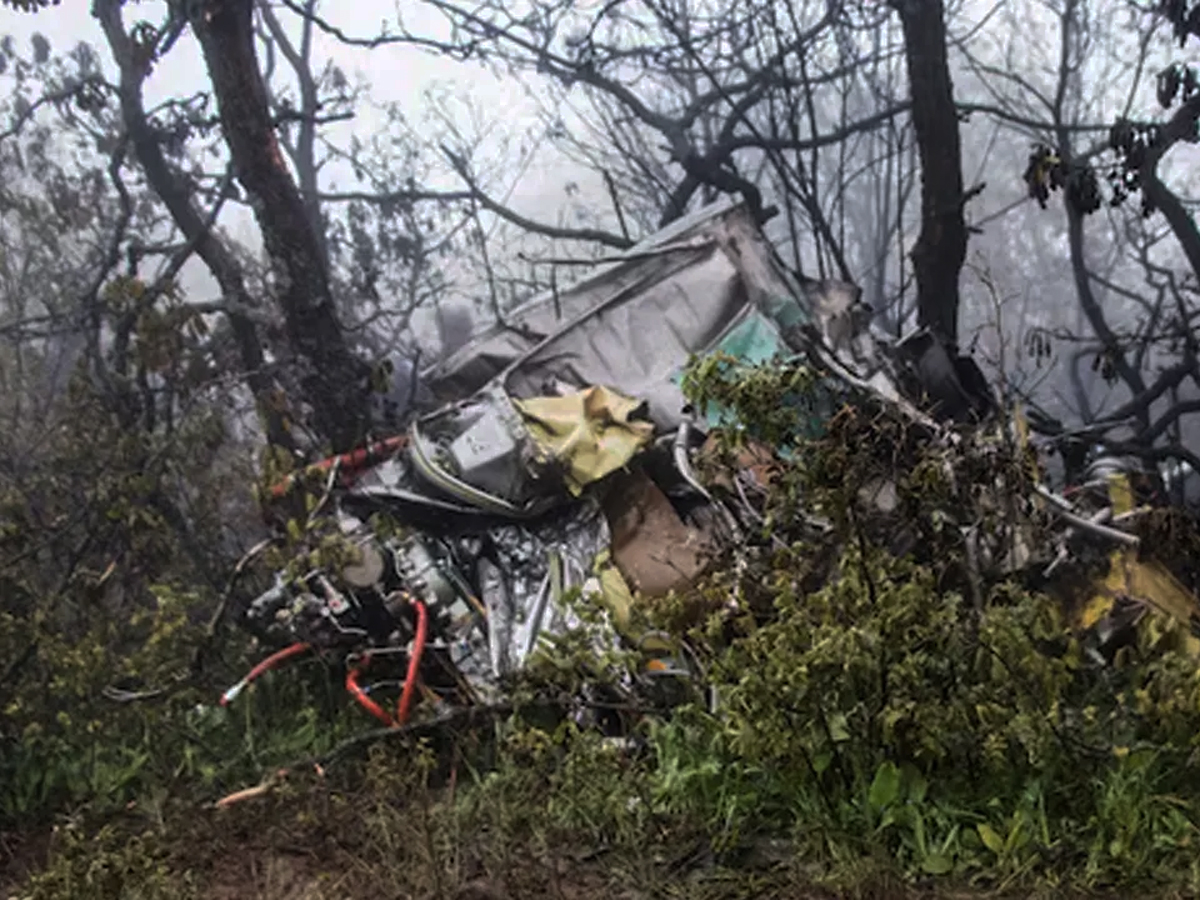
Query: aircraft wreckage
{"points": [[562, 460]]}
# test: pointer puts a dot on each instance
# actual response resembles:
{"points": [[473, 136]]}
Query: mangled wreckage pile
{"points": [[564, 461]]}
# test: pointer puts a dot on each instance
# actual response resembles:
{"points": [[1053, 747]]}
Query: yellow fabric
{"points": [[607, 587], [589, 432], [1120, 494], [617, 596]]}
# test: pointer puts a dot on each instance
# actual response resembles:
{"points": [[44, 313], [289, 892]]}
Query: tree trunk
{"points": [[174, 194], [1180, 127], [941, 248], [335, 380]]}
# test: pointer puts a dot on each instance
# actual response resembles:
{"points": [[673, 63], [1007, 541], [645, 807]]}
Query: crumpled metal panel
{"points": [[633, 326], [636, 343], [523, 571], [490, 353]]}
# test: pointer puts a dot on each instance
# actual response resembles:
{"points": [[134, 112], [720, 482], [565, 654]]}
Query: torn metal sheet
{"points": [[524, 572], [636, 342], [491, 352]]}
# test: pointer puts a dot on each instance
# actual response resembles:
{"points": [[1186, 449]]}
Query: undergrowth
{"points": [[898, 723]]}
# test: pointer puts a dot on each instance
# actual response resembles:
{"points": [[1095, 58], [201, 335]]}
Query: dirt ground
{"points": [[263, 872]]}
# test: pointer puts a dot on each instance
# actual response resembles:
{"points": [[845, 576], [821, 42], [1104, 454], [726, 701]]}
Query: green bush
{"points": [[106, 590], [885, 715]]}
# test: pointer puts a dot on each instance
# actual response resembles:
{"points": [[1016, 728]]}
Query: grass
{"points": [[559, 814]]}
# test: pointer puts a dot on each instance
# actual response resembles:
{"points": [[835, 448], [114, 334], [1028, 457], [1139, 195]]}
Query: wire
{"points": [[266, 665], [360, 695], [410, 680], [414, 661]]}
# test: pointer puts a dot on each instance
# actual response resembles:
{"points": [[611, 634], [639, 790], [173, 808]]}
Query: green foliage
{"points": [[885, 712], [109, 865], [772, 402], [108, 576]]}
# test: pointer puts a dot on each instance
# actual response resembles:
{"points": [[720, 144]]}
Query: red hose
{"points": [[414, 661], [266, 665], [410, 679], [350, 462], [361, 697]]}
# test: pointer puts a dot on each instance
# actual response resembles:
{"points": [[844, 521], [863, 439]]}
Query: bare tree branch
{"points": [[23, 116], [1180, 127], [572, 234]]}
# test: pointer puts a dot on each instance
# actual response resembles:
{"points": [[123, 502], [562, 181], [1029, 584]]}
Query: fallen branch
{"points": [[1063, 509], [218, 615], [260, 790], [466, 717], [463, 717]]}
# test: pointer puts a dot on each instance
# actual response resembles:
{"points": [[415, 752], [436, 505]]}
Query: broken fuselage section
{"points": [[560, 465]]}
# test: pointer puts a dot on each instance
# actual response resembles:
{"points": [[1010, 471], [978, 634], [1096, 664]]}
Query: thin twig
{"points": [[117, 695], [470, 716], [616, 202], [218, 615]]}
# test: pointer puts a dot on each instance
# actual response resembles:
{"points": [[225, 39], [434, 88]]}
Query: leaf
{"points": [[41, 48], [838, 729], [918, 827], [918, 786], [885, 789], [937, 864], [991, 839]]}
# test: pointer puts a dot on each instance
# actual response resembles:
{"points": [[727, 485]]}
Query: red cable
{"points": [[361, 697], [414, 661], [352, 462], [267, 664]]}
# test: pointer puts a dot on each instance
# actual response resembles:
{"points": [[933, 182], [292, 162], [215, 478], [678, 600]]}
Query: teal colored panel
{"points": [[786, 311], [753, 342]]}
